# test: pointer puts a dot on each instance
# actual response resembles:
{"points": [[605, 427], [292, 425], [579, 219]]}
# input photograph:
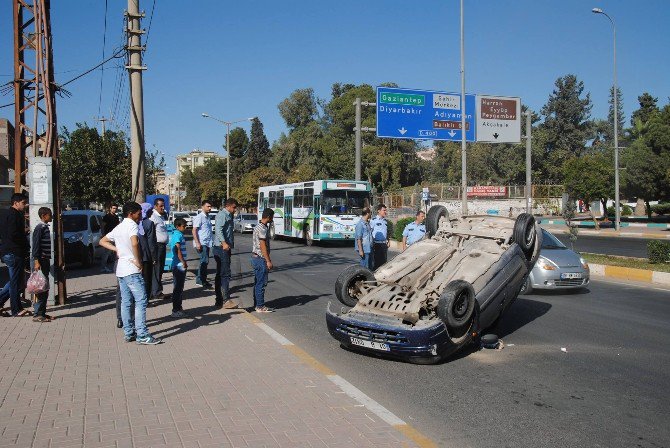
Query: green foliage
{"points": [[258, 150], [400, 227], [390, 229], [238, 143], [299, 108], [658, 251], [246, 192], [589, 178], [205, 182], [647, 108], [94, 168], [568, 214], [626, 210], [661, 209], [566, 124], [645, 173]]}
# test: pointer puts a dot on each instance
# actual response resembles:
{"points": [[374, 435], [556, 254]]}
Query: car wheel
{"points": [[88, 257], [526, 288], [456, 307], [436, 215], [348, 284], [525, 233]]}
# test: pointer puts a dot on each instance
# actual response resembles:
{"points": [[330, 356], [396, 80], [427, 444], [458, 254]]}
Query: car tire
{"points": [[436, 214], [348, 283], [88, 257], [527, 287], [525, 233], [456, 307]]}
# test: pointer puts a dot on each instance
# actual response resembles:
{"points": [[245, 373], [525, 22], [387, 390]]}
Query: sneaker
{"points": [[179, 314], [119, 323], [130, 338], [148, 340], [207, 285], [230, 305], [264, 309]]}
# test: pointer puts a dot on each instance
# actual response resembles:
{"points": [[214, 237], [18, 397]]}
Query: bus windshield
{"points": [[344, 202]]}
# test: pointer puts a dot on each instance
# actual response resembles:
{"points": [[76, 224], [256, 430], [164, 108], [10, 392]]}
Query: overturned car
{"points": [[441, 293]]}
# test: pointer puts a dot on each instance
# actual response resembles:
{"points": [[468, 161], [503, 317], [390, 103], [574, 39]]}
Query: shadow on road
{"points": [[521, 313]]}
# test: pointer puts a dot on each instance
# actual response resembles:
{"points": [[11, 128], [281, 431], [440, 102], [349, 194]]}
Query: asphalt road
{"points": [[627, 247], [610, 388]]}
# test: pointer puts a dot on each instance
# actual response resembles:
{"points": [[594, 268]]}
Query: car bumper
{"points": [[74, 251], [403, 341], [553, 280]]}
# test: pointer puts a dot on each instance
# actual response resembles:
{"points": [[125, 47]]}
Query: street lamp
{"points": [[617, 212], [227, 123]]}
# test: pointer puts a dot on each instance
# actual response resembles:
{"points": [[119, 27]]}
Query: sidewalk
{"points": [[219, 379]]}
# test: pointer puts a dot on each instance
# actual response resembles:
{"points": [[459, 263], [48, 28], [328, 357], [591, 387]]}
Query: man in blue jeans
{"points": [[14, 249], [224, 242], [202, 241], [124, 240], [260, 259]]}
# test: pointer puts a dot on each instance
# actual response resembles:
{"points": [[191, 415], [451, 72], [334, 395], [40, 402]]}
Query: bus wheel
{"points": [[308, 237]]}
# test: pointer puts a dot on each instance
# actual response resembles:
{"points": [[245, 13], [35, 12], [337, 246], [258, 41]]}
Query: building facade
{"points": [[196, 158]]}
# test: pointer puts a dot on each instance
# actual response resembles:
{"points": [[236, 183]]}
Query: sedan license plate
{"points": [[370, 344], [570, 275]]}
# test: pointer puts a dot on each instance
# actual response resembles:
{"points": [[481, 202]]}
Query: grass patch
{"points": [[626, 262]]}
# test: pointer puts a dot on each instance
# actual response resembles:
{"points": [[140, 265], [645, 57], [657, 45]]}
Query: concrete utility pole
{"points": [[102, 121], [135, 69], [529, 196], [464, 180]]}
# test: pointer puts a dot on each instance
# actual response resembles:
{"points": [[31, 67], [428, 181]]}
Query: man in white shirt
{"points": [[162, 239], [124, 240]]}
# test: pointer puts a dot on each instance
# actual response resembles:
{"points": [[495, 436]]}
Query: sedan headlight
{"points": [[546, 264], [585, 265], [76, 237]]}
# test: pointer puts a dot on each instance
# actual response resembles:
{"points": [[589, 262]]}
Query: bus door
{"points": [[316, 226], [288, 214]]}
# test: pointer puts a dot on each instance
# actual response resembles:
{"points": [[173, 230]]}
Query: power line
{"points": [[151, 19], [102, 69]]}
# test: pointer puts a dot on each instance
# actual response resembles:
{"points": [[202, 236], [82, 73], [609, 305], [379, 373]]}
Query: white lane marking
{"points": [[355, 393], [273, 334]]}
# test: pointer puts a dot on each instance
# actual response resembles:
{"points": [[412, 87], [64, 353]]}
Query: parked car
{"points": [[185, 215], [557, 268], [245, 222], [82, 231], [437, 296], [212, 216]]}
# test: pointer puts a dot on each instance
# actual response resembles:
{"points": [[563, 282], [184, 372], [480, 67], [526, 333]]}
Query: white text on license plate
{"points": [[370, 344], [568, 275]]}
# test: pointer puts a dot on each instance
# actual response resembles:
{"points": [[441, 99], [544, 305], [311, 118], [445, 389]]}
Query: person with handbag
{"points": [[41, 254]]}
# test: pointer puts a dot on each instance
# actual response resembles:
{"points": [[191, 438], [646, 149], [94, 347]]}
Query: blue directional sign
{"points": [[423, 114]]}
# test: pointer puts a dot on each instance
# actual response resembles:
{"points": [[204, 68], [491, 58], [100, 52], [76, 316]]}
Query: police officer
{"points": [[414, 231], [380, 237], [363, 236]]}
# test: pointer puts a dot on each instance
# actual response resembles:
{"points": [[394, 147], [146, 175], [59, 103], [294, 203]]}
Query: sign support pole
{"points": [[464, 181], [529, 196], [358, 138]]}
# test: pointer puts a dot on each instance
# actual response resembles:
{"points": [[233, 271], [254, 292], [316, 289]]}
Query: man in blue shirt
{"points": [[202, 241], [414, 231], [363, 238], [224, 241], [380, 237]]}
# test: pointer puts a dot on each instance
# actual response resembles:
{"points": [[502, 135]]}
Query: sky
{"points": [[240, 59]]}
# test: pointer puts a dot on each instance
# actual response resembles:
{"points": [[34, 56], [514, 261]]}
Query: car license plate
{"points": [[370, 344], [569, 275]]}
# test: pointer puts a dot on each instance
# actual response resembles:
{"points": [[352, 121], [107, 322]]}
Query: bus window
{"points": [[308, 198], [280, 198], [337, 202], [260, 200], [272, 199], [298, 197]]}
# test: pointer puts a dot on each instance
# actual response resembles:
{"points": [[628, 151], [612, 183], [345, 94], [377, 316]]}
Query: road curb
{"points": [[632, 274], [580, 224]]}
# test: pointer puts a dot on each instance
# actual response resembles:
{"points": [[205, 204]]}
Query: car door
{"points": [[95, 227]]}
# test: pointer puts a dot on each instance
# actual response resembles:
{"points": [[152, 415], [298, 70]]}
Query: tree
{"points": [[258, 150], [621, 119], [238, 143], [566, 123], [246, 193], [299, 108], [205, 182], [645, 174], [647, 108], [93, 168], [590, 178]]}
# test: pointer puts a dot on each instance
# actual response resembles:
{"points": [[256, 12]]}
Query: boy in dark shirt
{"points": [[41, 254]]}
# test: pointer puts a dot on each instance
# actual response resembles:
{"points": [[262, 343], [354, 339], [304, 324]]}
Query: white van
{"points": [[82, 231]]}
